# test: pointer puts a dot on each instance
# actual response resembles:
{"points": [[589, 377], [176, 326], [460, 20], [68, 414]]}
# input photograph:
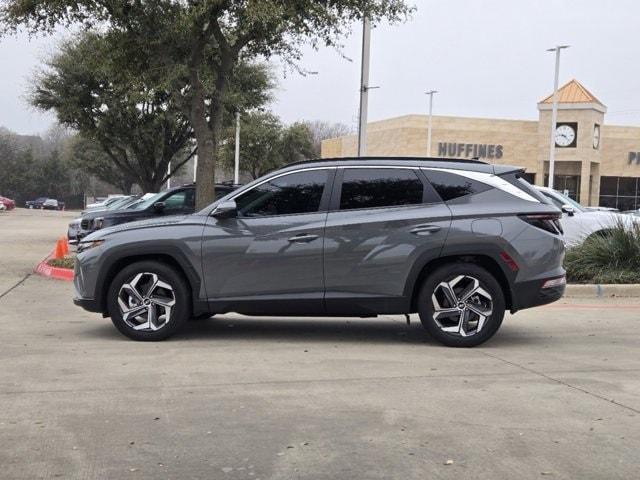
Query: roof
{"points": [[430, 162], [573, 92]]}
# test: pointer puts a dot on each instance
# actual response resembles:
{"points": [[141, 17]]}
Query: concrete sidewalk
{"points": [[555, 394]]}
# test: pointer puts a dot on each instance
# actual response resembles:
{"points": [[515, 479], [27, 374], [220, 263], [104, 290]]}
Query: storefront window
{"points": [[568, 185], [622, 193]]}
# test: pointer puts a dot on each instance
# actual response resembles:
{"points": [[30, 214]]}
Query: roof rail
{"points": [[384, 158]]}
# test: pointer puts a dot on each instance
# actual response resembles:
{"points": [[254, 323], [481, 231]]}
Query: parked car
{"points": [[101, 205], [579, 223], [52, 204], [176, 201], [37, 203], [7, 203], [458, 242], [75, 231]]}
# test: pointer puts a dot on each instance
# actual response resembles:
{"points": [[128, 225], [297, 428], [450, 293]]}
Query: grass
{"points": [[66, 262], [610, 258]]}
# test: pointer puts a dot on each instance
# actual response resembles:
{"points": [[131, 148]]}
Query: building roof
{"points": [[573, 92]]}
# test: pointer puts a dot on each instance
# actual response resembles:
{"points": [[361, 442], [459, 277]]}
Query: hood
{"points": [[160, 221]]}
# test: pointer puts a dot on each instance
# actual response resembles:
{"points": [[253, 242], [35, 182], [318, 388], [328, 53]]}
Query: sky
{"points": [[486, 58]]}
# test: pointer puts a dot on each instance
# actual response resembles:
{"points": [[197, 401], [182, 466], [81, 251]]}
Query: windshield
{"points": [[142, 204], [559, 200], [121, 202]]}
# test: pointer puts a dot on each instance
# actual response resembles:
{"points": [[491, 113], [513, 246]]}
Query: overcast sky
{"points": [[486, 58]]}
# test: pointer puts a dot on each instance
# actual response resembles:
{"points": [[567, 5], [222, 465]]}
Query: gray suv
{"points": [[458, 242]]}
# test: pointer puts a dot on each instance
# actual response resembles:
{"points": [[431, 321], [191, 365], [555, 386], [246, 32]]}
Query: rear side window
{"points": [[451, 186], [380, 187], [287, 195]]}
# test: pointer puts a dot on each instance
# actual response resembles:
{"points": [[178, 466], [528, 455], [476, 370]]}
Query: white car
{"points": [[579, 223], [2, 207], [105, 203]]}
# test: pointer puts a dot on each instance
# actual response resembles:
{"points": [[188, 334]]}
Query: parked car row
{"points": [[45, 203], [176, 201]]}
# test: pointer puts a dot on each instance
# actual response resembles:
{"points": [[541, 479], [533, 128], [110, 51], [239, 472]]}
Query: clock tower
{"points": [[577, 142]]}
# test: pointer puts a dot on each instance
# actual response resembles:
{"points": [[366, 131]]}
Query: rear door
{"points": [[382, 220]]}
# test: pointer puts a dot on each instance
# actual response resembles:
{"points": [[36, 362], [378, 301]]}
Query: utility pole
{"points": [[195, 167], [430, 93], [236, 169], [554, 115], [364, 87]]}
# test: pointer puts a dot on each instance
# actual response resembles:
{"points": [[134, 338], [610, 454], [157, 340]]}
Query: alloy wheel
{"points": [[461, 306], [146, 302]]}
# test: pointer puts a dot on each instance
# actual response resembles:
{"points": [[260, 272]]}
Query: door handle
{"points": [[425, 229], [303, 238]]}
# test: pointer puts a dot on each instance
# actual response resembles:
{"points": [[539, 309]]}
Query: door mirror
{"points": [[158, 206], [227, 209], [569, 210]]}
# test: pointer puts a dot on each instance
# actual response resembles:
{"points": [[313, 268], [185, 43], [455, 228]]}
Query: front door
{"points": [[268, 260]]}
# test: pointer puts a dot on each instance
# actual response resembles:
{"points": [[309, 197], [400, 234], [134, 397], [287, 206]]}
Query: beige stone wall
{"points": [[617, 142], [408, 136]]}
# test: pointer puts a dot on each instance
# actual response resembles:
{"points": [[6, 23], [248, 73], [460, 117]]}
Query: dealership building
{"points": [[595, 163]]}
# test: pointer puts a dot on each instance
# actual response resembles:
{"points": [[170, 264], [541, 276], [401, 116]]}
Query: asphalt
{"points": [[555, 394]]}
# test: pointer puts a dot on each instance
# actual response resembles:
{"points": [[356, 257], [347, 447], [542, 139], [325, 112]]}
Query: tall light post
{"points": [[554, 114], [168, 178], [236, 164], [364, 87], [430, 93]]}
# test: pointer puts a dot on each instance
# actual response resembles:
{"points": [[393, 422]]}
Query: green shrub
{"points": [[66, 262], [610, 258]]}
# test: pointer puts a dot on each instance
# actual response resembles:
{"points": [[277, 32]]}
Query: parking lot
{"points": [[556, 393]]}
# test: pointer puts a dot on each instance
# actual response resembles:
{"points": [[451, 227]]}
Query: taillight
{"points": [[549, 222]]}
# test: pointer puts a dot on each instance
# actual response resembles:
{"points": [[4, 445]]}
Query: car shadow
{"points": [[314, 330]]}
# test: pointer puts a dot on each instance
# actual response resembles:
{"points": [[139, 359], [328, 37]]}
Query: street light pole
{"points": [[554, 115], [430, 93], [364, 87], [168, 178], [236, 169]]}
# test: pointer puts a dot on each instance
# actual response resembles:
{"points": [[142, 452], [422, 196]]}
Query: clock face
{"points": [[596, 136], [565, 135]]}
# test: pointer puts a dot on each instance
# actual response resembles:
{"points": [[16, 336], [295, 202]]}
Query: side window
{"points": [[451, 186], [176, 201], [383, 187], [287, 195]]}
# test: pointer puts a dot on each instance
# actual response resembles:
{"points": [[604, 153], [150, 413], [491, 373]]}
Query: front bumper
{"points": [[88, 304], [531, 294]]}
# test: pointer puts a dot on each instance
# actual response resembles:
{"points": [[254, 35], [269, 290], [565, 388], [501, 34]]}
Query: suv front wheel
{"points": [[148, 301], [461, 305]]}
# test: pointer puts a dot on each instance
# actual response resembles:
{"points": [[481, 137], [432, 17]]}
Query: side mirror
{"points": [[569, 210], [158, 206], [227, 209]]}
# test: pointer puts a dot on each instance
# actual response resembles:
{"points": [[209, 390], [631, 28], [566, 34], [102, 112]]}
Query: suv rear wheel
{"points": [[149, 301], [461, 305]]}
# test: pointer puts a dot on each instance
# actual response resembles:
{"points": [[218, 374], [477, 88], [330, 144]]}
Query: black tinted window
{"points": [[450, 185], [286, 195], [372, 187]]}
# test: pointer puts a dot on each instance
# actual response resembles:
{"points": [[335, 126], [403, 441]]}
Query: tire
{"points": [[171, 292], [445, 325]]}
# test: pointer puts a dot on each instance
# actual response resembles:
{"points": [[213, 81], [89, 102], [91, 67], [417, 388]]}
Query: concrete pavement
{"points": [[555, 394]]}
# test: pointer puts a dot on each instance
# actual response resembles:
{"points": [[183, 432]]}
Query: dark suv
{"points": [[458, 242]]}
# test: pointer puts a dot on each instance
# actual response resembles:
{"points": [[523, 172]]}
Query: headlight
{"points": [[83, 246]]}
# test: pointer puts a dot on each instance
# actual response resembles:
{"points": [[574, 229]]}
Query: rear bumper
{"points": [[531, 294]]}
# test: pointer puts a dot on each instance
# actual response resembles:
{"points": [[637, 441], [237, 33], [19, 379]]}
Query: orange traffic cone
{"points": [[65, 245], [59, 251]]}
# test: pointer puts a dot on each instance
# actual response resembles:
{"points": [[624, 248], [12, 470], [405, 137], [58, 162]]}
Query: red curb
{"points": [[46, 270]]}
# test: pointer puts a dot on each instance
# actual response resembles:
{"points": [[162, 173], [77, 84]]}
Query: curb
{"points": [[46, 270], [600, 291]]}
